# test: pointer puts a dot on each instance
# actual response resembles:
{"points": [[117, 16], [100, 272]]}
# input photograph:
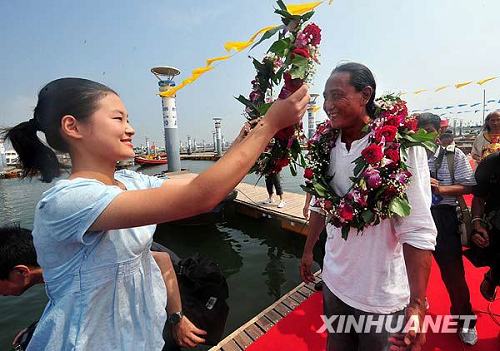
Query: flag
{"points": [[485, 80], [476, 104]]}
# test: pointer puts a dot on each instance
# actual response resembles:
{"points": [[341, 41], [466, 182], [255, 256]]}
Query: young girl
{"points": [[92, 231]]}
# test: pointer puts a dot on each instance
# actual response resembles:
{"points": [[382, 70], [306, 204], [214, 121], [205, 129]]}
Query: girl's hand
{"points": [[287, 112]]}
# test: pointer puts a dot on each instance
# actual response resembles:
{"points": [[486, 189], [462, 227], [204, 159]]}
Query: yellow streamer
{"points": [[219, 58], [441, 88], [202, 70], [242, 45], [300, 9], [419, 91], [461, 85], [485, 80], [237, 45]]}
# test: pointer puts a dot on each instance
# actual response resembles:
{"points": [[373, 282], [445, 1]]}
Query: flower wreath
{"points": [[290, 58], [381, 174]]}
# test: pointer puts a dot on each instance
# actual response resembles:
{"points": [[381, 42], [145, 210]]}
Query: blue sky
{"points": [[409, 45]]}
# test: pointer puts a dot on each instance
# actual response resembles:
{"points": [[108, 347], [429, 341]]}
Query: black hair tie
{"points": [[34, 124]]}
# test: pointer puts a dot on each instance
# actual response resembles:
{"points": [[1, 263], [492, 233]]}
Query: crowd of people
{"points": [[92, 237]]}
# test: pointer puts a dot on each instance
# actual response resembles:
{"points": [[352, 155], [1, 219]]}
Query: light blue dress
{"points": [[105, 290]]}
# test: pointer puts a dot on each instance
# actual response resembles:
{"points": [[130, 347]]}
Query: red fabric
{"points": [[297, 330]]}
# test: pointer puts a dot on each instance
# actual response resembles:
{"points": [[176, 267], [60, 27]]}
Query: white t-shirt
{"points": [[367, 271]]}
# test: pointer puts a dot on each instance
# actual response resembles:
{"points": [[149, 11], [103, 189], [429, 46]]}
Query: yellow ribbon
{"points": [[242, 45], [485, 80], [441, 88], [419, 91], [300, 9], [461, 85], [219, 58]]}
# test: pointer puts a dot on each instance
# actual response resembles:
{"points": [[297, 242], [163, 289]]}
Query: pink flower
{"points": [[411, 124], [313, 32], [357, 197], [373, 178]]}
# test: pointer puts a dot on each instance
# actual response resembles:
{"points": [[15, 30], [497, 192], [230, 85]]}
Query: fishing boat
{"points": [[150, 160]]}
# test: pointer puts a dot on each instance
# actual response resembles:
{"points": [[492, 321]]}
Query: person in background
{"points": [[273, 181], [489, 137], [451, 176], [486, 224], [446, 139], [385, 270], [19, 271], [93, 231]]}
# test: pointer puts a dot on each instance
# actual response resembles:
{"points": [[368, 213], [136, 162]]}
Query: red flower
{"points": [[346, 212], [327, 205], [388, 132], [301, 52], [411, 124], [372, 153], [285, 133], [291, 85], [392, 154], [308, 173], [314, 32]]}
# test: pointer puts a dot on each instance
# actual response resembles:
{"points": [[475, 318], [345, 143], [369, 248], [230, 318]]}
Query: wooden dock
{"points": [[201, 156], [245, 335], [250, 202]]}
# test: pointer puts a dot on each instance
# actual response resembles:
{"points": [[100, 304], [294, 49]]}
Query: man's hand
{"points": [[305, 267], [412, 339], [435, 186], [480, 236], [186, 334]]}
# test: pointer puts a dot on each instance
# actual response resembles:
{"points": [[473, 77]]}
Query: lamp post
{"points": [[311, 116], [165, 77], [218, 136]]}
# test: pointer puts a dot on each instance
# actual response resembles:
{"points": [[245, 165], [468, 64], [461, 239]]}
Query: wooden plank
{"points": [[298, 297], [254, 332], [273, 316], [282, 309], [231, 345], [243, 340], [305, 291], [264, 323], [292, 304]]}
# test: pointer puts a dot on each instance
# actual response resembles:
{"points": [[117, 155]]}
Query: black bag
{"points": [[204, 291]]}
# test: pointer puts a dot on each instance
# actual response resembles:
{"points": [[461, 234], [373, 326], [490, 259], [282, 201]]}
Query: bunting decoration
{"points": [[238, 46], [457, 86]]}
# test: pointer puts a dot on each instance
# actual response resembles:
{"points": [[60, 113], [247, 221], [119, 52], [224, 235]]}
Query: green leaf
{"points": [[264, 107], [320, 190], [345, 231], [360, 166], [246, 102], [293, 169], [280, 47], [299, 60], [367, 216], [268, 35], [281, 4], [307, 16], [400, 206], [298, 72]]}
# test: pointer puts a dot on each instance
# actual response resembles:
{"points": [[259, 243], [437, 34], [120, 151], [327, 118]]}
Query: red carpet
{"points": [[297, 330]]}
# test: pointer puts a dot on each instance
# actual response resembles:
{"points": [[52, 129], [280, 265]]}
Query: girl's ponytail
{"points": [[34, 155]]}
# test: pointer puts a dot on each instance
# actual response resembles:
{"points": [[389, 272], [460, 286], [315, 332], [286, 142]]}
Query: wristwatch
{"points": [[175, 318]]}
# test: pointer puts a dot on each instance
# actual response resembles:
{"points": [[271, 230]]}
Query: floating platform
{"points": [[245, 335]]}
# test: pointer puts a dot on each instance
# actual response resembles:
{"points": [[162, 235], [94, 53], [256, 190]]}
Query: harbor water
{"points": [[258, 258]]}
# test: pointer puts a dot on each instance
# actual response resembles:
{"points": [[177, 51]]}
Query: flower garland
{"points": [[291, 58], [381, 174]]}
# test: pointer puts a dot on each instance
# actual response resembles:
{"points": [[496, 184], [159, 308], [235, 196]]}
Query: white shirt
{"points": [[367, 271]]}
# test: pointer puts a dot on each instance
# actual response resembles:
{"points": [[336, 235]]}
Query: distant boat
{"points": [[150, 160]]}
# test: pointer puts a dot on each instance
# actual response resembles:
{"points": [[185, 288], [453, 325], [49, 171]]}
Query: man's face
{"points": [[17, 282]]}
